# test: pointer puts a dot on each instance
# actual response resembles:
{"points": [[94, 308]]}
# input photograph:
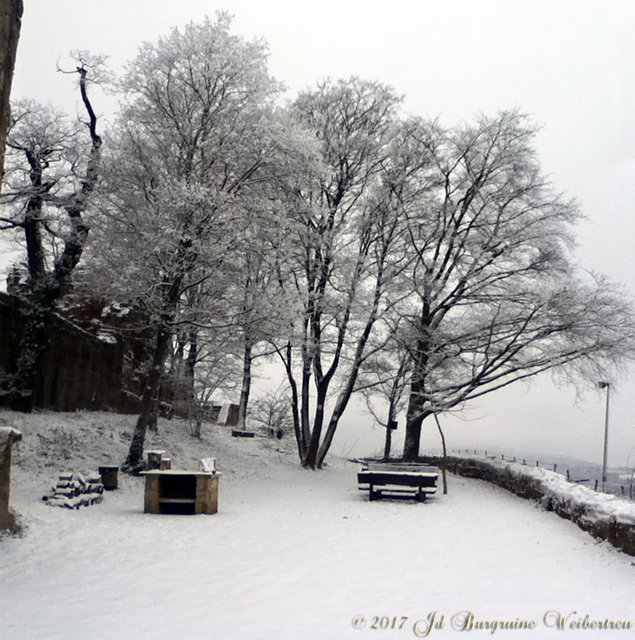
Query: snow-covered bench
{"points": [[405, 479]]}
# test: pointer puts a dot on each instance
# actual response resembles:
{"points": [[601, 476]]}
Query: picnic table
{"points": [[172, 491]]}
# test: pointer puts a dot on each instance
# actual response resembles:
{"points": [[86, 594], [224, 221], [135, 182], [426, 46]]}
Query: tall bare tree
{"points": [[344, 247], [496, 296], [52, 172]]}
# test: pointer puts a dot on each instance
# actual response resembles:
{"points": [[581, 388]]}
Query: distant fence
{"points": [[592, 479]]}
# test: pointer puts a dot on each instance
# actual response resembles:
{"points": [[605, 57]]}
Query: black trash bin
{"points": [[109, 477]]}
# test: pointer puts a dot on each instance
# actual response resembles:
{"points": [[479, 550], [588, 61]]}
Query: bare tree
{"points": [[253, 296], [51, 176], [341, 254], [495, 294], [386, 377], [272, 412]]}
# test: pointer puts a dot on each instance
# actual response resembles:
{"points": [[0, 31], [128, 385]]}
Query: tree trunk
{"points": [[195, 409], [10, 23], [417, 409], [391, 419], [305, 398], [38, 310], [311, 459], [149, 400], [295, 411], [445, 456], [192, 357], [394, 397], [176, 361], [412, 441], [246, 383], [134, 462]]}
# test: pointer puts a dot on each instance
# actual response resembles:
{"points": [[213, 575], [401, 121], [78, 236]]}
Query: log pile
{"points": [[74, 491]]}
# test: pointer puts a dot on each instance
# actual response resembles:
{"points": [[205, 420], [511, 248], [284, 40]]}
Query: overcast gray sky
{"points": [[568, 63]]}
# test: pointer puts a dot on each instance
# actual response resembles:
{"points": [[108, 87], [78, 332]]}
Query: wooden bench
{"points": [[407, 479]]}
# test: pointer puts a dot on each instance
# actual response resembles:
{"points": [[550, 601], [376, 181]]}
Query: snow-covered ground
{"points": [[291, 554], [574, 498]]}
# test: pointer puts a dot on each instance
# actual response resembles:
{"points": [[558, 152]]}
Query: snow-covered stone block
{"points": [[8, 437]]}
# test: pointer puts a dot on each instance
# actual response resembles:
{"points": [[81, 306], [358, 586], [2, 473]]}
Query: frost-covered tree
{"points": [[254, 309], [52, 170], [194, 143], [496, 295], [343, 250]]}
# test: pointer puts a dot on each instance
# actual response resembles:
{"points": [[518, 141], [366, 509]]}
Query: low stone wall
{"points": [[605, 517]]}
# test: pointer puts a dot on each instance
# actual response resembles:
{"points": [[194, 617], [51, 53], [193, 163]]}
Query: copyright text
{"points": [[423, 627]]}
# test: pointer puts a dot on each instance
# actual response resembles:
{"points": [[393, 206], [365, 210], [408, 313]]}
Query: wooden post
{"points": [[207, 494], [154, 459], [8, 437], [153, 490]]}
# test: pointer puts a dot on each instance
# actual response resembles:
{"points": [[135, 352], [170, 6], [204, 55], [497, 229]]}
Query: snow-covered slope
{"points": [[290, 554]]}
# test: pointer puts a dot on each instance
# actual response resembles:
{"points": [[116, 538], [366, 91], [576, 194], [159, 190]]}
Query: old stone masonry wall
{"points": [[606, 517]]}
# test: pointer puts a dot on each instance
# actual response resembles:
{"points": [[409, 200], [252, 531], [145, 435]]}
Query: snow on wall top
{"points": [[8, 435], [555, 485]]}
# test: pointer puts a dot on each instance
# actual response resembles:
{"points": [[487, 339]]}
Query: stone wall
{"points": [[102, 371], [80, 370], [581, 505]]}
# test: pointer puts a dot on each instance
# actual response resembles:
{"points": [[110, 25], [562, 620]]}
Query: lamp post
{"points": [[607, 386]]}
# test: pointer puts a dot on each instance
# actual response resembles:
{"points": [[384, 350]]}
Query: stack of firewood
{"points": [[74, 491]]}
